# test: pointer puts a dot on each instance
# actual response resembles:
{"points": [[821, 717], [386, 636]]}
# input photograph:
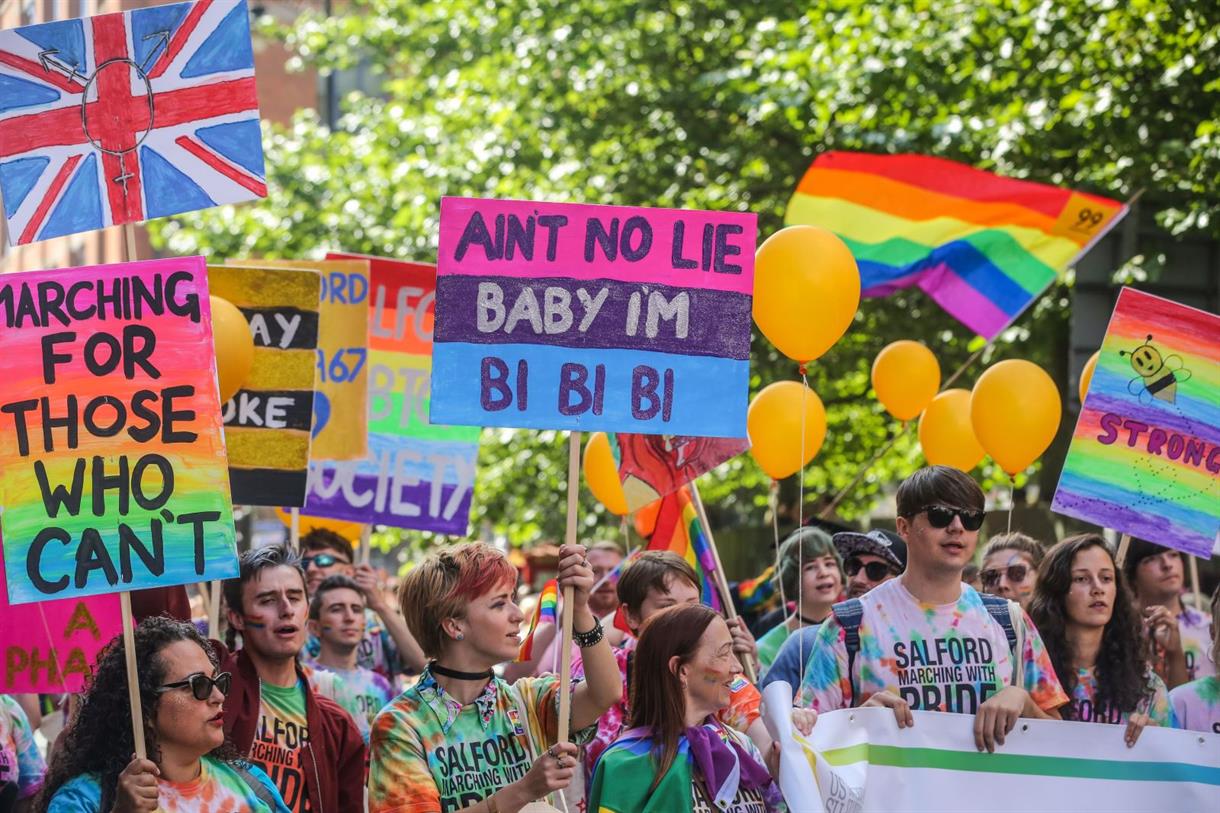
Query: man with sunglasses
{"points": [[926, 641], [870, 559], [387, 647]]}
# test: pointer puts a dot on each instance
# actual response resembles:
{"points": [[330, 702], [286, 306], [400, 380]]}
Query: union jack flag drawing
{"points": [[126, 117]]}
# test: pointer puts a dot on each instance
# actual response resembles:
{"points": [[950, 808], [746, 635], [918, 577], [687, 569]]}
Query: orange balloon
{"points": [[1015, 411], [945, 432], [350, 531], [234, 347], [601, 474], [1086, 375], [774, 425], [906, 376]]}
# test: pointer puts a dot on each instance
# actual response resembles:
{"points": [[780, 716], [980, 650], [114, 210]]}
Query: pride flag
{"points": [[544, 611], [677, 528], [757, 592], [981, 246]]}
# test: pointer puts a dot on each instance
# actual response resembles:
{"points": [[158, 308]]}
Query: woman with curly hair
{"points": [[1093, 634], [191, 768]]}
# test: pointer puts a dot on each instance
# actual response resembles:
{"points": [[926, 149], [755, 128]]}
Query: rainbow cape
{"points": [[677, 528], [981, 246], [545, 610]]}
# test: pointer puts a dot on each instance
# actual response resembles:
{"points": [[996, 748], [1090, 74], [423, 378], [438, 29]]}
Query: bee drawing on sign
{"points": [[1157, 376]]}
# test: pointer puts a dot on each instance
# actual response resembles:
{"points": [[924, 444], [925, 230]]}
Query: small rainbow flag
{"points": [[544, 611], [677, 528], [981, 246], [757, 592]]}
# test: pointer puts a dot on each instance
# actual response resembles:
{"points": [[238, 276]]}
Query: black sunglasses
{"points": [[1015, 573], [201, 685], [875, 571], [941, 516], [321, 560]]}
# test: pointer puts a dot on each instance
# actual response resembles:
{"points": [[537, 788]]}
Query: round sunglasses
{"points": [[941, 516], [1015, 573], [200, 685], [874, 571], [321, 560]]}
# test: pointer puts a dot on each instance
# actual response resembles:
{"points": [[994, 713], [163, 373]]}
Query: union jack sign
{"points": [[126, 117]]}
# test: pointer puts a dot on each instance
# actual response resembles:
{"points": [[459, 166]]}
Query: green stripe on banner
{"points": [[1071, 767], [391, 425]]}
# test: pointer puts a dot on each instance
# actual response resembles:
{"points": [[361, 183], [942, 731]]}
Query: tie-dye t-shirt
{"points": [[219, 789], [282, 734], [430, 753], [1086, 709], [1196, 631], [1196, 705], [20, 761], [949, 657], [361, 692], [377, 649], [743, 709]]}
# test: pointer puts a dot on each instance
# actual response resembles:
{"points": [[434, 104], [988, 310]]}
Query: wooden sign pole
{"points": [[1196, 598], [133, 680], [364, 544], [721, 582], [1124, 542], [565, 641], [214, 611], [294, 528]]}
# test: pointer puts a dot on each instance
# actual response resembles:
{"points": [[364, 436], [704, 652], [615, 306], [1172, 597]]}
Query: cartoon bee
{"points": [[1157, 376]]}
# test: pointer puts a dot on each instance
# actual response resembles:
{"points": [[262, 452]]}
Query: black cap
{"points": [[886, 544]]}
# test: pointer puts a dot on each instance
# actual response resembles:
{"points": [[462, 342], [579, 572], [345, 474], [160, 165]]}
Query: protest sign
{"points": [[125, 117], [864, 762], [1145, 456], [417, 475], [113, 471], [652, 466], [50, 647], [572, 316], [267, 422], [340, 423]]}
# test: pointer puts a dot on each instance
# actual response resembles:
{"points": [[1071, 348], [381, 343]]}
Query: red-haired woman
{"points": [[462, 739], [677, 756]]}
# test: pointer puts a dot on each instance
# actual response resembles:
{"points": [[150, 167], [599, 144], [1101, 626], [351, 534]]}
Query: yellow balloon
{"points": [[774, 425], [806, 290], [945, 432], [234, 347], [1015, 411], [348, 530], [1086, 375], [601, 474], [906, 377]]}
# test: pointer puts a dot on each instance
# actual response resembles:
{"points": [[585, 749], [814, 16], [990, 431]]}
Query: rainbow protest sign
{"points": [[417, 474], [982, 246], [571, 316], [113, 470], [1145, 457]]}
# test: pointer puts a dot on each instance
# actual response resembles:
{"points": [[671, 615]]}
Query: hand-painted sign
{"points": [[113, 471], [571, 316], [417, 475], [52, 646], [267, 423], [340, 424], [652, 466], [1145, 457], [126, 117]]}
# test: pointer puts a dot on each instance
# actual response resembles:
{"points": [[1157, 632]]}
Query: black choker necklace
{"points": [[808, 621], [456, 675]]}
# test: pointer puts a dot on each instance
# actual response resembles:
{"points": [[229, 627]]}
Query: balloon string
{"points": [[1011, 501], [774, 501], [800, 523]]}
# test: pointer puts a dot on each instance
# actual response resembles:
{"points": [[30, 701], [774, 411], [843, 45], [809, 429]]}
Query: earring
{"points": [[459, 637]]}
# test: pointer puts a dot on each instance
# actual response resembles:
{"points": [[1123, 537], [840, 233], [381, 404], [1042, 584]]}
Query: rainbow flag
{"points": [[544, 611], [981, 246], [677, 528], [757, 592]]}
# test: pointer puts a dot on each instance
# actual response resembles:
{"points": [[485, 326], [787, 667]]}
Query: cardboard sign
{"points": [[570, 316], [267, 423], [52, 646], [126, 117], [1145, 457], [652, 466], [340, 425], [113, 471], [417, 475]]}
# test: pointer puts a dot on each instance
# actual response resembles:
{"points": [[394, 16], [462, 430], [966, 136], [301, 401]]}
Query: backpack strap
{"points": [[261, 791], [1007, 614], [849, 614]]}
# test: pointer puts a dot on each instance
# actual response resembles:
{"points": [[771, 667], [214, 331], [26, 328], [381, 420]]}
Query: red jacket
{"points": [[333, 758]]}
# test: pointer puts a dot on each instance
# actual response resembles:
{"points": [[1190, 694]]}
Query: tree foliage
{"points": [[722, 105]]}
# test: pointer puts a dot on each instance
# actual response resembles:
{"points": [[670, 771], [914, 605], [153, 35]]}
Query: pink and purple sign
{"points": [[574, 316]]}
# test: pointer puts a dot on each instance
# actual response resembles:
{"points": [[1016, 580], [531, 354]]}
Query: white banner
{"points": [[858, 760]]}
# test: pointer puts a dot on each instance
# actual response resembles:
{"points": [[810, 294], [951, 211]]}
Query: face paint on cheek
{"points": [[254, 625]]}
